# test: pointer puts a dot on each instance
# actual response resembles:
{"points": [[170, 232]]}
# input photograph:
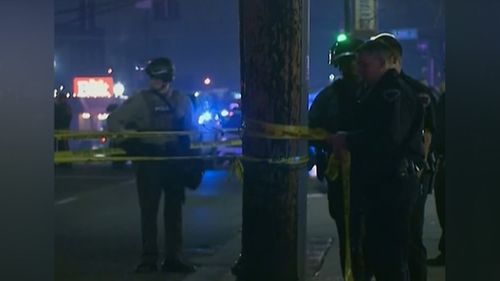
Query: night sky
{"points": [[204, 41]]}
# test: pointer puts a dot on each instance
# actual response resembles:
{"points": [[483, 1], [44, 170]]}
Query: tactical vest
{"points": [[162, 111], [163, 116]]}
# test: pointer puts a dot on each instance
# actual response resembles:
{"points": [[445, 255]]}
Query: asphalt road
{"points": [[97, 233]]}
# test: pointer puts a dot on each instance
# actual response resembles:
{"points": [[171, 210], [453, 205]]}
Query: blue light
{"points": [[224, 113], [205, 117]]}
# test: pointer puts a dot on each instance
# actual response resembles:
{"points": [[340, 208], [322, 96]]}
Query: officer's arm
{"points": [[128, 116], [318, 117]]}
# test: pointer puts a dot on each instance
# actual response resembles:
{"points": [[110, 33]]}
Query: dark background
{"points": [[202, 38]]}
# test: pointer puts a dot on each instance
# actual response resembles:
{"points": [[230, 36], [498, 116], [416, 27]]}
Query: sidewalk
{"points": [[331, 271], [323, 262]]}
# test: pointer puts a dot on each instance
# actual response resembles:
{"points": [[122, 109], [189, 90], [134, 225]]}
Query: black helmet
{"points": [[345, 48], [161, 68]]}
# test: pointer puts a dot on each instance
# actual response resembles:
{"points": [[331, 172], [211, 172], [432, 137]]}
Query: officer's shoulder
{"points": [[138, 94], [331, 89], [338, 84], [136, 98], [416, 85]]}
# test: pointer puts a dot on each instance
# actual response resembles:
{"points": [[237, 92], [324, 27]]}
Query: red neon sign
{"points": [[93, 87]]}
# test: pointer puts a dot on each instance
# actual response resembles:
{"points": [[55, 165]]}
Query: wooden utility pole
{"points": [[274, 70]]}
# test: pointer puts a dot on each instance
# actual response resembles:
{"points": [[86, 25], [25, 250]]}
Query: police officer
{"points": [[418, 252], [336, 109], [159, 108], [386, 151]]}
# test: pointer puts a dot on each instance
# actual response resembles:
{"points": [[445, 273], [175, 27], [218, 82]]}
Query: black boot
{"points": [[177, 266], [437, 261], [146, 267]]}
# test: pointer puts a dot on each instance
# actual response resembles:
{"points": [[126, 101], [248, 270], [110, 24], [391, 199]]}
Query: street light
{"points": [[207, 81], [102, 116], [85, 115], [118, 89]]}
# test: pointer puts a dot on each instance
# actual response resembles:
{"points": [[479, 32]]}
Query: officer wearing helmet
{"points": [[417, 251], [159, 108], [387, 153], [336, 109]]}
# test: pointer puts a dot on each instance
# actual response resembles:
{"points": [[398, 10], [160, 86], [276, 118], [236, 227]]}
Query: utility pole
{"points": [[348, 16], [274, 68]]}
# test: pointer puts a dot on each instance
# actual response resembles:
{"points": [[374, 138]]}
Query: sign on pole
{"points": [[365, 18], [405, 33]]}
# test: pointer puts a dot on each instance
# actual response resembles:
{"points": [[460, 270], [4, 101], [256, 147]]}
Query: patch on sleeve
{"points": [[391, 95]]}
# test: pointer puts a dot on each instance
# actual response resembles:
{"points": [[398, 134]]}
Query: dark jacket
{"points": [[391, 130]]}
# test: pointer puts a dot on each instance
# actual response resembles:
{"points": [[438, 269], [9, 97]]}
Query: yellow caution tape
{"points": [[98, 153], [61, 135], [107, 158], [229, 143], [125, 134], [294, 161], [332, 170], [104, 154], [236, 169], [345, 157], [260, 129], [253, 128]]}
